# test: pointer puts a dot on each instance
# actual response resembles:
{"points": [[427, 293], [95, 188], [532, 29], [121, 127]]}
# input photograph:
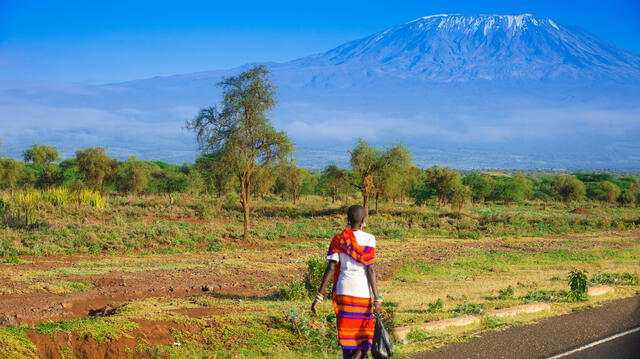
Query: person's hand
{"points": [[314, 305], [378, 308]]}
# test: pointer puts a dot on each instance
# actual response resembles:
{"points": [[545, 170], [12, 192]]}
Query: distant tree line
{"points": [[376, 175], [242, 155]]}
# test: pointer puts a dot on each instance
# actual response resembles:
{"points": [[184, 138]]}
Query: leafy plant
{"points": [[468, 309], [435, 307], [619, 278], [315, 271], [506, 293], [492, 322], [578, 283], [541, 295], [293, 291]]}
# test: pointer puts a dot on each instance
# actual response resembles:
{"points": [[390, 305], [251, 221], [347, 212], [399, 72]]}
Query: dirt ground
{"points": [[255, 271]]}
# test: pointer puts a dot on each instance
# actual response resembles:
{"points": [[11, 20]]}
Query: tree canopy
{"points": [[240, 132]]}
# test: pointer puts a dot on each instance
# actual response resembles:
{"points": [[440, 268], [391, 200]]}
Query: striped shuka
{"points": [[354, 315]]}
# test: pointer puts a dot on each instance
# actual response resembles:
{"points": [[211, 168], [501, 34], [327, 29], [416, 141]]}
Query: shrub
{"points": [[293, 291], [492, 322], [315, 272], [578, 283], [435, 307], [313, 335], [468, 309], [623, 278], [541, 295], [506, 293]]}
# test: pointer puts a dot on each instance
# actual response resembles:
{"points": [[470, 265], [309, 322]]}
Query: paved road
{"points": [[556, 335], [625, 347]]}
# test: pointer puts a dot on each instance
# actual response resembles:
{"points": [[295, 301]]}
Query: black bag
{"points": [[381, 348]]}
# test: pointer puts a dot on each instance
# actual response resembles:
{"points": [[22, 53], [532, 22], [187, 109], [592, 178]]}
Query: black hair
{"points": [[356, 216]]}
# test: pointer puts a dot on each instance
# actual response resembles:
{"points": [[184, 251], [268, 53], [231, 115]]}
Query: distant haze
{"points": [[499, 91]]}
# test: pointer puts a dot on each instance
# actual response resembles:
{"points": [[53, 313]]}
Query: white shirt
{"points": [[352, 279]]}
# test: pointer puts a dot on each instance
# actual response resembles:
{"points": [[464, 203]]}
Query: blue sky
{"points": [[110, 41]]}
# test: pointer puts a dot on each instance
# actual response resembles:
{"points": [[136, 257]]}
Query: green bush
{"points": [[579, 284], [506, 293], [541, 295], [293, 291], [623, 278], [315, 272], [468, 309], [435, 307]]}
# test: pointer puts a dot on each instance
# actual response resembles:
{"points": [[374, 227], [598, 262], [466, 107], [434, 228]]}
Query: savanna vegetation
{"points": [[219, 258]]}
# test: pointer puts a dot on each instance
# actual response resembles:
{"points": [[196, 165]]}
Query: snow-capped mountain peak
{"points": [[454, 47]]}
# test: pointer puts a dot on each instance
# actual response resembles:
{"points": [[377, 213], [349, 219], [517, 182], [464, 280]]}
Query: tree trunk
{"points": [[365, 204], [245, 196]]}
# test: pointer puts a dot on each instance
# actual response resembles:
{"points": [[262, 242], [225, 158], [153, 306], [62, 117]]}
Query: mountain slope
{"points": [[466, 91], [448, 48]]}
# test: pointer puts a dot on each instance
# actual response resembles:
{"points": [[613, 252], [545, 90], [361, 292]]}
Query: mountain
{"points": [[457, 48], [510, 91]]}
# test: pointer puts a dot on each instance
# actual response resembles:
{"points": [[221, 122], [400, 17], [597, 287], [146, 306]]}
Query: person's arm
{"points": [[328, 274], [373, 282]]}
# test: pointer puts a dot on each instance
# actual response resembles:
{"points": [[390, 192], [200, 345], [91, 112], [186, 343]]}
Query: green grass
{"points": [[149, 224], [15, 344], [99, 329]]}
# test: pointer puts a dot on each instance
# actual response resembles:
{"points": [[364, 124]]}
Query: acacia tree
{"points": [[395, 165], [43, 156], [239, 130], [215, 172], [611, 191], [292, 179], [373, 168], [569, 188], [10, 172], [94, 165], [336, 179], [481, 186], [365, 162], [133, 175], [438, 181]]}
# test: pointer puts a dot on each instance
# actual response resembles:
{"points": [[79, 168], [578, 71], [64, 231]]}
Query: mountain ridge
{"points": [[457, 89]]}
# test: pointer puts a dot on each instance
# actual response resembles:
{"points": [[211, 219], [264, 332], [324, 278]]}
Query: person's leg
{"points": [[358, 354]]}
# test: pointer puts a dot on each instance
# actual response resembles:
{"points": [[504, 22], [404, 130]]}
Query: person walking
{"points": [[350, 259]]}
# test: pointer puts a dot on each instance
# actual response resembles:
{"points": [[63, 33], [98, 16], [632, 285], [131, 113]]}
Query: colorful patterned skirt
{"points": [[355, 320]]}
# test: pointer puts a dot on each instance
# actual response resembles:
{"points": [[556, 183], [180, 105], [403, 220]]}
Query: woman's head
{"points": [[356, 216]]}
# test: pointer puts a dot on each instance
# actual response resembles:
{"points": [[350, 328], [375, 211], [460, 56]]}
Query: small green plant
{"points": [[419, 335], [293, 291], [541, 295], [468, 309], [619, 278], [579, 284], [14, 343], [492, 322], [435, 307], [315, 271], [214, 245], [312, 334], [506, 293]]}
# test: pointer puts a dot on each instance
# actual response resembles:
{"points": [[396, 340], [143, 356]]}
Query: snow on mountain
{"points": [[467, 91], [449, 48]]}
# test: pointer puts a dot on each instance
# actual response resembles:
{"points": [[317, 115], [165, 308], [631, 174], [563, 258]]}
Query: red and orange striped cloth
{"points": [[354, 315]]}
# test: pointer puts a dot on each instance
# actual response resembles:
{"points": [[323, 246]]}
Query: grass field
{"points": [[144, 279]]}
